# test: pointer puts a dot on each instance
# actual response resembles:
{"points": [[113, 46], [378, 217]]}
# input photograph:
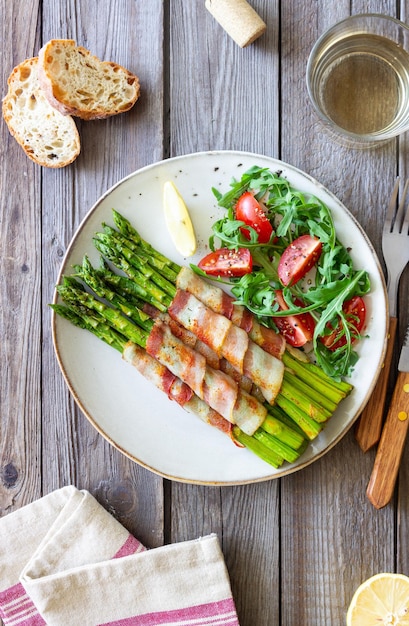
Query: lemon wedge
{"points": [[178, 220], [382, 600]]}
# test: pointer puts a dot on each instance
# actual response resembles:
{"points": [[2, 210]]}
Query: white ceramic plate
{"points": [[133, 415]]}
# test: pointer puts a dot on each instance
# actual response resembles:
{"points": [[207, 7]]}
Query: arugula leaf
{"points": [[342, 360]]}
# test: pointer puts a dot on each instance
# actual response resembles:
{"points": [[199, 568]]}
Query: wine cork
{"points": [[238, 19]]}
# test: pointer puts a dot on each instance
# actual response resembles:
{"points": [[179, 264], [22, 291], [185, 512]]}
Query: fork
{"points": [[395, 250]]}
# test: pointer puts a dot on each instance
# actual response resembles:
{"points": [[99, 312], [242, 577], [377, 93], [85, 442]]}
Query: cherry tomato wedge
{"points": [[355, 312], [296, 329], [298, 258], [250, 211], [225, 262]]}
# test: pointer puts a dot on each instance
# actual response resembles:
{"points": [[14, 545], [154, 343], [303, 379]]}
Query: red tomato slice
{"points": [[298, 258], [296, 329], [355, 312], [250, 211], [225, 262]]}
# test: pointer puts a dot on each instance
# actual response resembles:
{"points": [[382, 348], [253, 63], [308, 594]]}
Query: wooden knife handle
{"points": [[390, 449], [369, 427]]}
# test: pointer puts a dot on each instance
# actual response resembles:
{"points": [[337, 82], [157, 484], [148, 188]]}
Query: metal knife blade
{"points": [[403, 365], [390, 449]]}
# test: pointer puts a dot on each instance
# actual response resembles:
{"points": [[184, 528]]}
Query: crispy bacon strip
{"points": [[198, 407], [179, 358], [215, 387], [244, 382], [191, 340], [184, 335], [214, 297], [157, 373], [267, 339], [241, 317], [175, 389], [264, 369], [221, 302]]}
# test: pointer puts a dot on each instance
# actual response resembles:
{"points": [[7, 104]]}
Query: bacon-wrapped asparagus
{"points": [[230, 341], [215, 387], [282, 442]]}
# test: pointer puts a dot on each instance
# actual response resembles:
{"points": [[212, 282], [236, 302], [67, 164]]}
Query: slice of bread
{"points": [[48, 137], [78, 83]]}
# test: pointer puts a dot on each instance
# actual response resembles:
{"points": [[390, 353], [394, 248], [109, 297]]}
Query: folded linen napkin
{"points": [[66, 561]]}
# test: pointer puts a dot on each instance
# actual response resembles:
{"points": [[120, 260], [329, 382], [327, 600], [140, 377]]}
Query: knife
{"points": [[390, 449]]}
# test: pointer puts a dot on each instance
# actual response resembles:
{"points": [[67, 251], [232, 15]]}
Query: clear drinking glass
{"points": [[358, 79]]}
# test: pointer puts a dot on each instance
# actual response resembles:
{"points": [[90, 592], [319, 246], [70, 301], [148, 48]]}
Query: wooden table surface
{"points": [[297, 547]]}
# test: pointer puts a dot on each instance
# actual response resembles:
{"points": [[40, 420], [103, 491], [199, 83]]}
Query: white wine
{"points": [[364, 86], [358, 78]]}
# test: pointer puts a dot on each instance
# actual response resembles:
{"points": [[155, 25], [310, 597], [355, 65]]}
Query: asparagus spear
{"points": [[72, 293], [126, 229], [309, 392], [91, 277], [162, 264], [121, 250], [127, 287], [309, 426], [315, 376], [288, 453], [310, 406], [255, 446], [154, 295], [84, 319]]}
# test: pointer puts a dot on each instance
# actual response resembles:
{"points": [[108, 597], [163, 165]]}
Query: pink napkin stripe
{"points": [[131, 546], [222, 613], [17, 609]]}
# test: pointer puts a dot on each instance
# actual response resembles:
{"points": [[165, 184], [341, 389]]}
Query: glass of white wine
{"points": [[358, 79]]}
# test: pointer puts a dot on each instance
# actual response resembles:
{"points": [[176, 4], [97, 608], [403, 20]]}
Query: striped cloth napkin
{"points": [[66, 561]]}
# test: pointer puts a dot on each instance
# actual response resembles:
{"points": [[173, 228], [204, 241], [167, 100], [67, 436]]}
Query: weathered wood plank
{"points": [[222, 97], [72, 450], [20, 262]]}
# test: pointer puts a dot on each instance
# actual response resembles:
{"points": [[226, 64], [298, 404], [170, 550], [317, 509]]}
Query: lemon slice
{"points": [[178, 220], [382, 600]]}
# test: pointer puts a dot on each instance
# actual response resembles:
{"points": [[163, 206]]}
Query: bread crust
{"points": [[75, 82], [47, 137]]}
